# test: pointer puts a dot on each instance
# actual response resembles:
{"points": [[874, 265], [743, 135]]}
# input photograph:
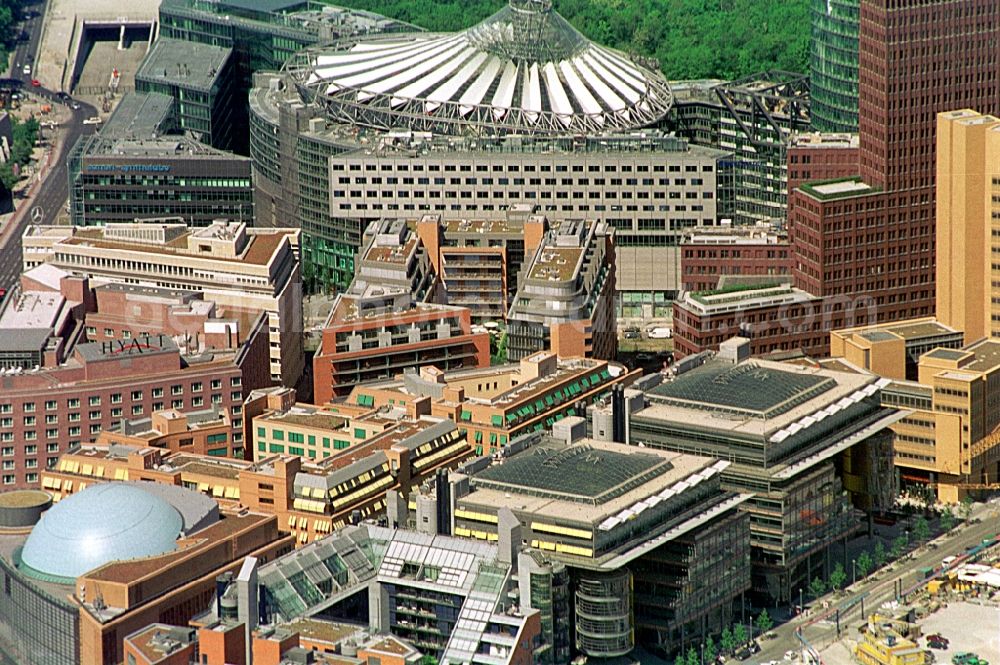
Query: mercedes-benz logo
{"points": [[37, 214]]}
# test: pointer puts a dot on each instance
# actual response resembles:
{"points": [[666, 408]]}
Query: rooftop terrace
{"points": [[182, 63]]}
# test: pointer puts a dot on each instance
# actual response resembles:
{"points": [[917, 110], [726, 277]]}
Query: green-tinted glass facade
{"points": [[834, 76]]}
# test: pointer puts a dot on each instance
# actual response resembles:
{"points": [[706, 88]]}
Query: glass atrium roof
{"points": [[576, 473], [745, 389]]}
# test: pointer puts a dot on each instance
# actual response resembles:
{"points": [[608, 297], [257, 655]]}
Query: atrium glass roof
{"points": [[576, 473], [745, 389]]}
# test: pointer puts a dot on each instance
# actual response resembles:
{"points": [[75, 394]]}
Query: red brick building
{"points": [[743, 252], [377, 335], [875, 235], [821, 157], [67, 373], [867, 240]]}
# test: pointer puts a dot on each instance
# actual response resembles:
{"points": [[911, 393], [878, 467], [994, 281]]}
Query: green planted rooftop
{"points": [[581, 473], [746, 389]]}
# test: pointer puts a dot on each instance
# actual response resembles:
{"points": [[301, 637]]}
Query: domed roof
{"points": [[523, 70], [104, 522]]}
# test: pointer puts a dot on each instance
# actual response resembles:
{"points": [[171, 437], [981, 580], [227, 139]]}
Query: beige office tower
{"points": [[968, 223]]}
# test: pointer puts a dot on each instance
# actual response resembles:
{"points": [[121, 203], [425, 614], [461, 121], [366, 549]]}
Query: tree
{"points": [[7, 176], [764, 622], [947, 519], [921, 529], [681, 660], [710, 650], [740, 635], [690, 38], [817, 587], [965, 509], [499, 357], [727, 641], [428, 660], [879, 554], [837, 577], [864, 564], [692, 658], [898, 546]]}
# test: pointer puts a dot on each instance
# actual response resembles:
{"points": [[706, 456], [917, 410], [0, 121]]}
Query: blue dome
{"points": [[105, 522]]}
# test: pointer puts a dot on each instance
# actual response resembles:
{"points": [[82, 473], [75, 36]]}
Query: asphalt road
{"points": [[879, 588], [51, 195]]}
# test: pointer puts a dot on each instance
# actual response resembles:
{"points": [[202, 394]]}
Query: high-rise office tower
{"points": [[873, 236], [968, 234], [834, 65], [865, 245]]}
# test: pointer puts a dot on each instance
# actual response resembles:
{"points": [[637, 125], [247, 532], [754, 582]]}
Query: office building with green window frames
{"points": [[263, 34], [834, 65], [138, 167], [200, 79]]}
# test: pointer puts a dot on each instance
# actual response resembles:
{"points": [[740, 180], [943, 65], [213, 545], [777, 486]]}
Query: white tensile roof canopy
{"points": [[523, 70]]}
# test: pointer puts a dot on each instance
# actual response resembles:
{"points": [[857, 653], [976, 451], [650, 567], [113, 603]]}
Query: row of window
{"points": [[552, 182], [136, 395], [528, 168]]}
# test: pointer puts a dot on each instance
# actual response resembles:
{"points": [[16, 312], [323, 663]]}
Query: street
{"points": [[49, 196], [819, 628]]}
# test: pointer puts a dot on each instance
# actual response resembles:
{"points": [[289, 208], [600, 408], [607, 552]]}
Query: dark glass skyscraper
{"points": [[834, 66]]}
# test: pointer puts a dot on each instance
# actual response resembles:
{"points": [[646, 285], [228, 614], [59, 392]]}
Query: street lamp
{"points": [[802, 605], [854, 571]]}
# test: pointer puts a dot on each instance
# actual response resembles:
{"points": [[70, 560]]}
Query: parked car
{"points": [[93, 121], [632, 335], [26, 70], [36, 83], [743, 654]]}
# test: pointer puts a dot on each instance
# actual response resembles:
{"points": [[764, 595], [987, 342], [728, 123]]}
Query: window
{"points": [[29, 407], [136, 395], [295, 437], [94, 415], [196, 387], [109, 332], [137, 410], [177, 404], [359, 433], [157, 393], [278, 435], [116, 398], [216, 384], [177, 390], [50, 405]]}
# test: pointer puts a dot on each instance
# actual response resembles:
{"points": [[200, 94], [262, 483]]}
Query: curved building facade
{"points": [[604, 614], [520, 109], [834, 66]]}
